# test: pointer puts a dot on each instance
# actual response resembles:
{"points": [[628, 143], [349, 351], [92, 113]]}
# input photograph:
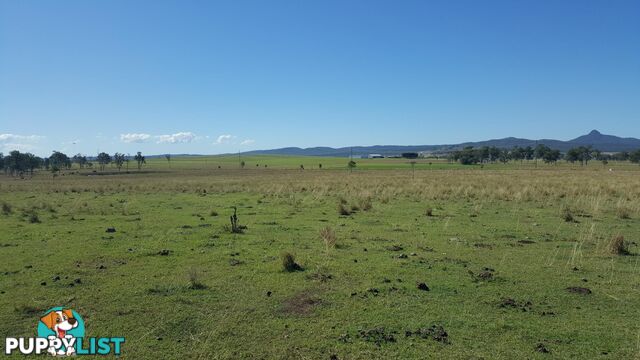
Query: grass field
{"points": [[517, 258]]}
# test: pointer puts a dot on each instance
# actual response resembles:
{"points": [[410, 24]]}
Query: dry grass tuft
{"points": [[618, 246], [289, 263], [329, 237]]}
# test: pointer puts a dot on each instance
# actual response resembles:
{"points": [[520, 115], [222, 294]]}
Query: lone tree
{"points": [[168, 157], [103, 159], [59, 161], [580, 153], [140, 160], [79, 159], [410, 155], [551, 156], [351, 165], [118, 159]]}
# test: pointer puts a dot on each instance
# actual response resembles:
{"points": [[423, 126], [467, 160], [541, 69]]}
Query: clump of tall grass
{"points": [[343, 209], [194, 281], [31, 215], [6, 208], [289, 263], [567, 214], [618, 246], [366, 204], [623, 212], [329, 237]]}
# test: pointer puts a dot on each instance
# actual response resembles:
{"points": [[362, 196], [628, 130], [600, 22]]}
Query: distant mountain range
{"points": [[602, 142]]}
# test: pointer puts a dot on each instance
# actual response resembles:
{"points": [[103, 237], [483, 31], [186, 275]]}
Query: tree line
{"points": [[582, 154], [18, 163]]}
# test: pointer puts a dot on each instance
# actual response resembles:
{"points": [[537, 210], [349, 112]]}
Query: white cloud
{"points": [[134, 138], [225, 139], [181, 137], [8, 147], [24, 143], [247, 142], [13, 137]]}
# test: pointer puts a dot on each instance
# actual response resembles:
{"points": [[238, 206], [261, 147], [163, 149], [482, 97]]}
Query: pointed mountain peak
{"points": [[595, 132]]}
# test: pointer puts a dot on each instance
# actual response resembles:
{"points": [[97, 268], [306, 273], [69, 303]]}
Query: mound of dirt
{"points": [[378, 336], [435, 332], [579, 290], [301, 304], [511, 303]]}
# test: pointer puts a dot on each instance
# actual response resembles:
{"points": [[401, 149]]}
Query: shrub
{"points": [[329, 237], [365, 204], [213, 213], [567, 215], [343, 210], [31, 215], [289, 263], [429, 212], [6, 208], [617, 246], [194, 280], [236, 228], [623, 212]]}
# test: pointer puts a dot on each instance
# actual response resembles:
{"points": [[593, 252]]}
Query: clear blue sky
{"points": [[214, 77]]}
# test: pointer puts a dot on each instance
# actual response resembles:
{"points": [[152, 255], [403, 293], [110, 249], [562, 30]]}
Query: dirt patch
{"points": [[514, 304], [301, 304], [435, 332], [378, 336], [579, 290], [487, 274], [395, 248]]}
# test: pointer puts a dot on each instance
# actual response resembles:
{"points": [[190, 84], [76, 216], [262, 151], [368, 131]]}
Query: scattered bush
{"points": [[213, 213], [6, 208], [236, 228], [567, 215], [289, 263], [343, 209], [31, 216], [329, 237], [194, 280], [365, 204], [429, 212], [618, 246], [623, 212]]}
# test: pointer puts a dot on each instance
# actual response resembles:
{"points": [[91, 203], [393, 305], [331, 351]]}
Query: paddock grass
{"points": [[506, 272]]}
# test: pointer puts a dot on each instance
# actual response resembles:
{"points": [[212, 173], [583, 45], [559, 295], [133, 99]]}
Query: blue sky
{"points": [[214, 77]]}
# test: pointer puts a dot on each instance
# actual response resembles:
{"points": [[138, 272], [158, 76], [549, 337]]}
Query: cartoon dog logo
{"points": [[61, 322]]}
